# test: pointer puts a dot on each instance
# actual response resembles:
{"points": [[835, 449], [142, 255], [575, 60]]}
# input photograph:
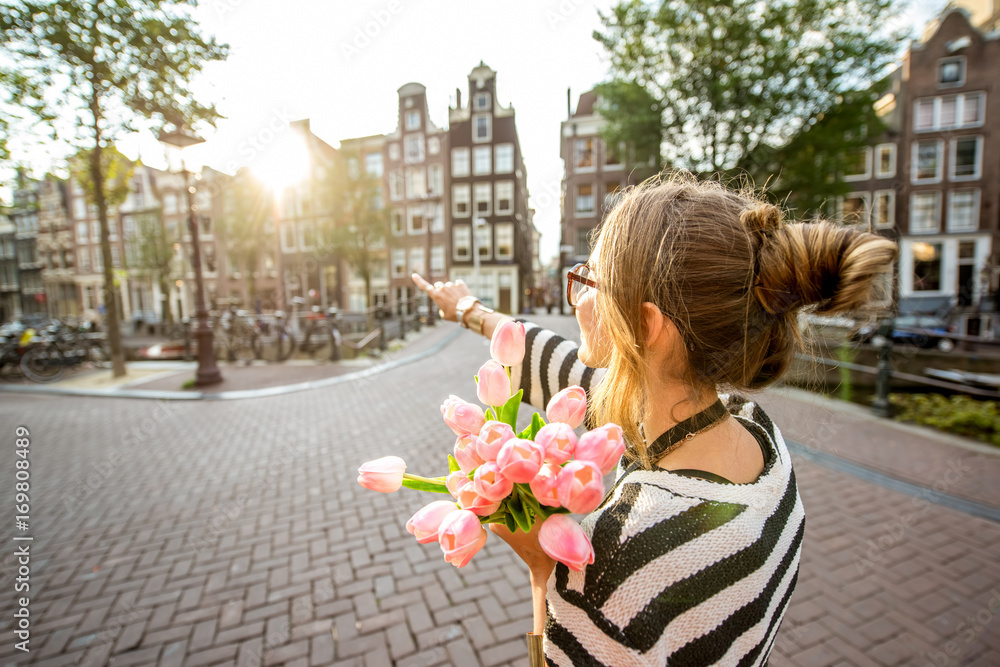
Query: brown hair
{"points": [[730, 274]]}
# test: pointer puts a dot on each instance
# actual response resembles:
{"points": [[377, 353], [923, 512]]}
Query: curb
{"points": [[239, 393]]}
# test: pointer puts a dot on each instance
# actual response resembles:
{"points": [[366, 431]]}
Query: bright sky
{"points": [[340, 63]]}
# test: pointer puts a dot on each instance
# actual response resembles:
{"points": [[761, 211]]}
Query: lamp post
{"points": [[208, 372]]}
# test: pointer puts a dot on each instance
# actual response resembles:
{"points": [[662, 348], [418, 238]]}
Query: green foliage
{"points": [[729, 79], [116, 169], [532, 429], [453, 464], [508, 413], [247, 208], [419, 485], [961, 415]]}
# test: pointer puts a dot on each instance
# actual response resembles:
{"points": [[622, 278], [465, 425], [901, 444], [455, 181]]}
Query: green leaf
{"points": [[517, 511], [509, 520], [508, 413], [490, 415], [453, 464], [417, 485], [532, 429]]}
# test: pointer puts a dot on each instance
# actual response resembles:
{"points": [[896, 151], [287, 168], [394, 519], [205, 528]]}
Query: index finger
{"points": [[419, 281]]}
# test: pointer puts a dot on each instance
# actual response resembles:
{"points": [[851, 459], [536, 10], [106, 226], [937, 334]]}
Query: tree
{"points": [[109, 65], [150, 255], [727, 79], [360, 219], [247, 207]]}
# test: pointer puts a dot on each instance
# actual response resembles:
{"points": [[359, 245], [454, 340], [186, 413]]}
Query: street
{"points": [[233, 532]]}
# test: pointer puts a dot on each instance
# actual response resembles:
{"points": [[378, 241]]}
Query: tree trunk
{"points": [[110, 301]]}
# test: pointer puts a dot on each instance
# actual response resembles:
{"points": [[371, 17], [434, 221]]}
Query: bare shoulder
{"points": [[729, 451]]}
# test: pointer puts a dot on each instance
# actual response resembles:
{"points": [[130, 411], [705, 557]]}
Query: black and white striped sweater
{"points": [[687, 570]]}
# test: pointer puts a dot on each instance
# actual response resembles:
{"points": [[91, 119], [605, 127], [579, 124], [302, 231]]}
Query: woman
{"points": [[691, 290]]}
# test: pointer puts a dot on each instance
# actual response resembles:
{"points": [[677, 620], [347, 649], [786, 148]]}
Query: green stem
{"points": [[437, 481]]}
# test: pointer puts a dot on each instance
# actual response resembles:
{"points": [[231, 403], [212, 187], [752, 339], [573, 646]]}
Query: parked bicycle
{"points": [[58, 347], [319, 338], [235, 337]]}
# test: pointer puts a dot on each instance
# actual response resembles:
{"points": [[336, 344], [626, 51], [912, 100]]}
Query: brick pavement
{"points": [[234, 533]]}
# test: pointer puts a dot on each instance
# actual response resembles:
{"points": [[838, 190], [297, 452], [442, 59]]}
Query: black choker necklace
{"points": [[681, 433]]}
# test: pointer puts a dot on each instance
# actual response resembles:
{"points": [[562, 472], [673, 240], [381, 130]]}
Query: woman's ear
{"points": [[653, 323]]}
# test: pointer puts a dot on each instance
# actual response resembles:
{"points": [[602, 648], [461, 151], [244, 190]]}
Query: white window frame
{"points": [[433, 145], [576, 201], [953, 155], [891, 172], [414, 157], [397, 185], [476, 139], [484, 241], [462, 238], [890, 196], [437, 261], [374, 165], [866, 208], [482, 193], [941, 267], [416, 182], [504, 229], [939, 172], [410, 123], [398, 258], [461, 193], [482, 160], [977, 97], [413, 212], [481, 102], [397, 223], [81, 238], [507, 153], [435, 179], [417, 258], [937, 214], [576, 154], [503, 187], [977, 202], [394, 151], [461, 162], [867, 173], [951, 84]]}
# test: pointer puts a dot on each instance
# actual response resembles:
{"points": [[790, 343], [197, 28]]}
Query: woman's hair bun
{"points": [[762, 218]]}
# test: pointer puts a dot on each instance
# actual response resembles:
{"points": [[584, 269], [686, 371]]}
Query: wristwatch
{"points": [[463, 306]]}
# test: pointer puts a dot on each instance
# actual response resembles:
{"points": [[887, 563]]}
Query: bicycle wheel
{"points": [[320, 343], [244, 348], [43, 364], [275, 345]]}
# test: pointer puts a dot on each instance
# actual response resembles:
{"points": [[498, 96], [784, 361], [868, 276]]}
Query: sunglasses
{"points": [[578, 283]]}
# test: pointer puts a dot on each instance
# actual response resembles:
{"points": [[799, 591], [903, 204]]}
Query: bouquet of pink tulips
{"points": [[499, 475]]}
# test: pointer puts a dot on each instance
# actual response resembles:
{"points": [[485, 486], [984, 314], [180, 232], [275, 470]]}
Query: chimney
{"points": [[458, 98], [569, 112]]}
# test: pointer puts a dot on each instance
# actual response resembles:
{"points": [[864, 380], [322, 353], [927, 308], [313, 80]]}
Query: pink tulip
{"points": [[543, 487], [579, 487], [384, 475], [475, 503], [462, 417], [461, 535], [519, 460], [491, 438], [490, 484], [564, 540], [507, 344], [558, 440], [456, 481], [603, 446], [466, 452], [425, 523], [569, 406], [494, 385]]}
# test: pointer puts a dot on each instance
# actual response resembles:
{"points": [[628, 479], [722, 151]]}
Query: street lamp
{"points": [[208, 372]]}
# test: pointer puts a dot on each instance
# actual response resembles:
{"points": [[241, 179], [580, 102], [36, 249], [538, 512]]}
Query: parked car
{"points": [[924, 331]]}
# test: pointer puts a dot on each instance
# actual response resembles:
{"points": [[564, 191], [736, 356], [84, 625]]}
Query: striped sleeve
{"points": [[550, 364]]}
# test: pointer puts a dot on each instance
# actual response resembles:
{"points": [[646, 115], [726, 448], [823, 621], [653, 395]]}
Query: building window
{"points": [[482, 196], [966, 158], [481, 102], [437, 260], [393, 151], [973, 109], [398, 261], [927, 160], [583, 153], [612, 195], [505, 240], [963, 210], [84, 260], [854, 209], [482, 128], [416, 183], [885, 161], [858, 166], [884, 211], [414, 148], [504, 159], [433, 145], [951, 71], [115, 261], [169, 203], [395, 185], [95, 231], [416, 217], [373, 165], [459, 161], [462, 242], [461, 201], [481, 159], [412, 120], [79, 209], [417, 260], [81, 232], [484, 239], [435, 185], [949, 112], [925, 212], [585, 199], [582, 242], [505, 198], [98, 259], [437, 219], [926, 267], [397, 222]]}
